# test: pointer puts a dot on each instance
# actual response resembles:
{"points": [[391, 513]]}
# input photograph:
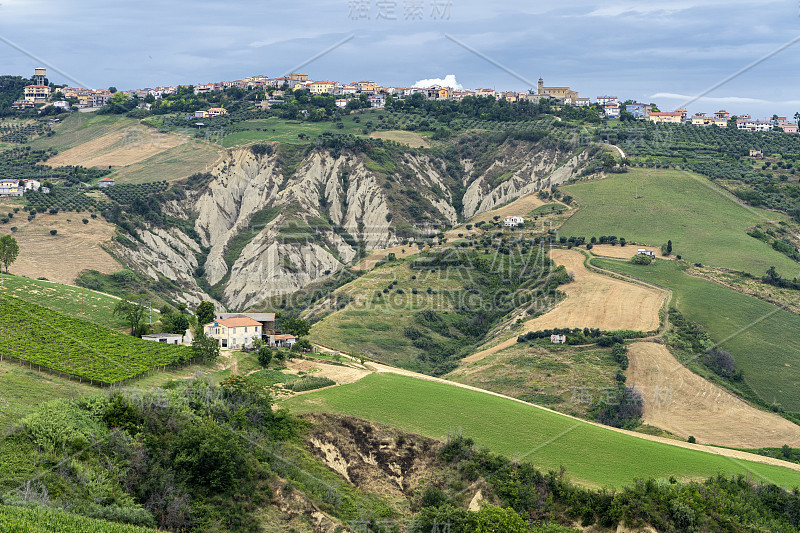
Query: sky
{"points": [[666, 52]]}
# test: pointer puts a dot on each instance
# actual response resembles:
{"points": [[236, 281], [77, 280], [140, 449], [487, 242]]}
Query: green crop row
{"points": [[48, 339]]}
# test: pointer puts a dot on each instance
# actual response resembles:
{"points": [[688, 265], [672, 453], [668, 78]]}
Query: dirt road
{"points": [[594, 301], [681, 402]]}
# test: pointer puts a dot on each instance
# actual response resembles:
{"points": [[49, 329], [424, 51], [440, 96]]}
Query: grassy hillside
{"points": [[427, 312], [759, 335], [73, 301], [52, 340], [592, 455], [176, 163], [47, 520], [706, 224], [288, 131]]}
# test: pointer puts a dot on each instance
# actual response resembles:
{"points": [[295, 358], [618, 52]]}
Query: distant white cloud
{"points": [[448, 81]]}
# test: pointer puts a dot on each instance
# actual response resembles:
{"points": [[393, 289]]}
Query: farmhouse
{"points": [[513, 221], [106, 182], [267, 320], [166, 338], [237, 332], [281, 341], [645, 251], [558, 339], [32, 185]]}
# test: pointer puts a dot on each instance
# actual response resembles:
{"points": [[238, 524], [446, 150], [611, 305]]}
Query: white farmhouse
{"points": [[558, 339], [645, 251], [513, 221], [235, 332]]}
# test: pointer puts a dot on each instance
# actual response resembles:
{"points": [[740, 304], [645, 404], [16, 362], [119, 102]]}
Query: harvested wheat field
{"points": [[61, 257], [624, 252], [681, 402], [594, 301], [369, 262], [118, 148], [520, 207], [414, 140]]}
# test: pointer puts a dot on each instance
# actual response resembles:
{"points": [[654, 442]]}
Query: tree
{"points": [[173, 321], [669, 247], [296, 326], [205, 313], [9, 250], [264, 356], [131, 309], [205, 347], [302, 345]]}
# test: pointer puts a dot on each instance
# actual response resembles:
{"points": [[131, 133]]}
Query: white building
{"points": [[513, 221], [237, 332], [166, 338], [32, 185], [645, 251], [558, 339]]}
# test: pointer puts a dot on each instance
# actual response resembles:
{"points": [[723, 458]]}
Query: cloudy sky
{"points": [[665, 52]]}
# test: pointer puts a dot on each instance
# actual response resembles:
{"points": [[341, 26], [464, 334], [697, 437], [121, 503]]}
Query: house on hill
{"points": [[558, 339], [106, 182], [282, 341], [234, 333], [647, 252], [513, 221], [267, 320]]}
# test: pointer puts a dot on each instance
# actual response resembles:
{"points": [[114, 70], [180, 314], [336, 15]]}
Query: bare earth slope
{"points": [[683, 403], [593, 301]]}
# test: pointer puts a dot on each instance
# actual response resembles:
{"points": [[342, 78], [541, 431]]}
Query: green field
{"points": [[706, 224], [173, 164], [761, 337], [592, 455], [48, 520], [73, 301], [287, 131], [22, 390], [76, 347], [80, 128]]}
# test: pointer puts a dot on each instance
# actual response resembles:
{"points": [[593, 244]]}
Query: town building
{"points": [[611, 110], [560, 93], [668, 117], [10, 187], [604, 100], [321, 87], [234, 333], [38, 94], [638, 110]]}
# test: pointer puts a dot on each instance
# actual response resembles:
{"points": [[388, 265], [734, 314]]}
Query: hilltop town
{"points": [[268, 91]]}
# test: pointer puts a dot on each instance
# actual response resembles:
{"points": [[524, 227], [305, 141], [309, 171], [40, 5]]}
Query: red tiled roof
{"points": [[239, 322]]}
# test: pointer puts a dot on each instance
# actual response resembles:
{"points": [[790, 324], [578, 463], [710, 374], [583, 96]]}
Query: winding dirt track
{"points": [[594, 301], [683, 403]]}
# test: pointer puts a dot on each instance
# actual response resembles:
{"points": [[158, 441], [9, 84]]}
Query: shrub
{"points": [[85, 220], [53, 231], [641, 259], [264, 356]]}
